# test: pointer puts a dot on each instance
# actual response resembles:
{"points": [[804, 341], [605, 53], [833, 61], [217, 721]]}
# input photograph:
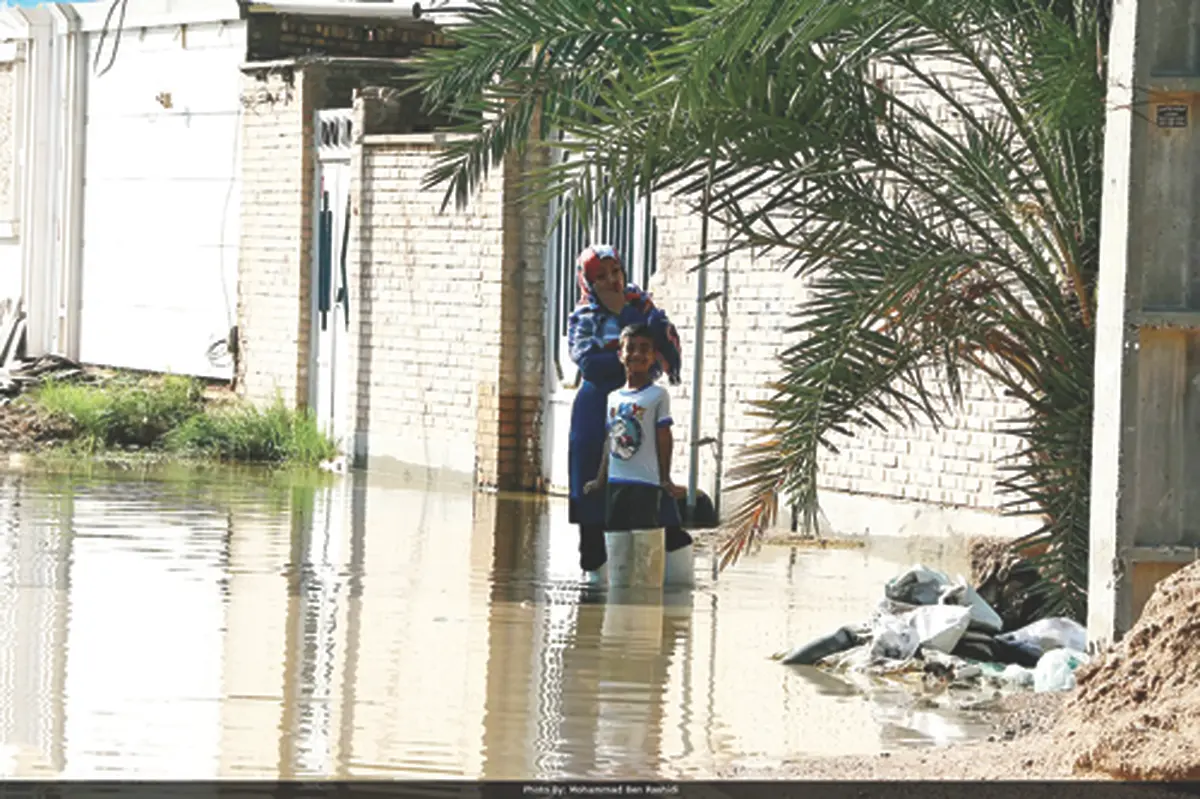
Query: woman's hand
{"points": [[678, 492], [592, 486]]}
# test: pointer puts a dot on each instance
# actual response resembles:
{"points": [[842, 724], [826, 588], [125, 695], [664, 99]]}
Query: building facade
{"points": [[242, 196]]}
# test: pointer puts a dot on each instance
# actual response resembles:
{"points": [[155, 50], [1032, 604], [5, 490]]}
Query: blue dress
{"points": [[593, 329]]}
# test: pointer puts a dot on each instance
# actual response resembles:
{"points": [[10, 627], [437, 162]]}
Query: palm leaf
{"points": [[936, 239]]}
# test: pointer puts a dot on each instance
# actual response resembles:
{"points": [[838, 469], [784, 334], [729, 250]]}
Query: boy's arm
{"points": [[666, 444]]}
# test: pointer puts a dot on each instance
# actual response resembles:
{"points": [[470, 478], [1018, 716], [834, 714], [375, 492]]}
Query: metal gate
{"points": [[629, 226], [331, 295]]}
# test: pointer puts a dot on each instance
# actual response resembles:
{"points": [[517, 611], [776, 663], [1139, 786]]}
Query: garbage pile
{"points": [[1004, 579], [939, 632], [16, 376]]}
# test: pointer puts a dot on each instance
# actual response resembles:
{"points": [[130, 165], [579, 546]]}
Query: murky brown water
{"points": [[219, 623]]}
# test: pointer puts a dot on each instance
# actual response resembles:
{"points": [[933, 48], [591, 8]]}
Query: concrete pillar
{"points": [[1145, 509]]}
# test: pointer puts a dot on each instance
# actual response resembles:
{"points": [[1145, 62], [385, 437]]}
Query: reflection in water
{"points": [[33, 632], [193, 624]]}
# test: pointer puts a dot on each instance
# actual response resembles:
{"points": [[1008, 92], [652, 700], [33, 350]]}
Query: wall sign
{"points": [[1174, 115]]}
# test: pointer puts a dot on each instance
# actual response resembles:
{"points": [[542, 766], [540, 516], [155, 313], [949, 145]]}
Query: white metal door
{"points": [[331, 305], [633, 230]]}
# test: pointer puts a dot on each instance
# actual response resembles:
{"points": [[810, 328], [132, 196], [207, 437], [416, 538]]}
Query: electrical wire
{"points": [[123, 5], [221, 353]]}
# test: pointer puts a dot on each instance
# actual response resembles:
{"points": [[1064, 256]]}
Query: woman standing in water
{"points": [[607, 304]]}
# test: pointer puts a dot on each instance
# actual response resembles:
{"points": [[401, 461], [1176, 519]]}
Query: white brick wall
{"points": [[427, 337], [443, 359], [956, 467], [446, 368], [273, 271]]}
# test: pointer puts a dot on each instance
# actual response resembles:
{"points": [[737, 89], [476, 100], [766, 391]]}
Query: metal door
{"points": [[632, 229], [331, 295]]}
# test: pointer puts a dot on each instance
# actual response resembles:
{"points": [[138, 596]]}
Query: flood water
{"points": [[193, 624]]}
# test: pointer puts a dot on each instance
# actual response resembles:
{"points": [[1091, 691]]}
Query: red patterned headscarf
{"points": [[581, 326], [588, 265]]}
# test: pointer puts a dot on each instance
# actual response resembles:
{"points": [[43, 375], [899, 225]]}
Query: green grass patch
{"points": [[121, 412], [246, 433], [170, 415]]}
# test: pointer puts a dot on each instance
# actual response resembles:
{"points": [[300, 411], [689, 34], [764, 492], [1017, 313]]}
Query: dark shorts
{"points": [[632, 506]]}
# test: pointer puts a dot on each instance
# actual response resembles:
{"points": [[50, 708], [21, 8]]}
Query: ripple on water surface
{"points": [[233, 623]]}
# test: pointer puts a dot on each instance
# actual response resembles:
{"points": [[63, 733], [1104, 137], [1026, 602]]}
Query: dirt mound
{"points": [[23, 429], [1136, 713]]}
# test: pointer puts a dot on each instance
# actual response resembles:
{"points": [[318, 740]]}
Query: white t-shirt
{"points": [[634, 416]]}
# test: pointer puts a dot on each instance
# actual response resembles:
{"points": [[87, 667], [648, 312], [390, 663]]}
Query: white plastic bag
{"points": [[1051, 634], [893, 639], [940, 626], [1017, 675], [1056, 670], [960, 593], [920, 585]]}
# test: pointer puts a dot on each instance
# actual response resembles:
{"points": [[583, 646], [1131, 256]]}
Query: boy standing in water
{"points": [[635, 469]]}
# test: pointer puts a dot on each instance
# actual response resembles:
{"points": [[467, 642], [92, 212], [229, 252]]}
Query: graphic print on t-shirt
{"points": [[634, 418], [626, 430]]}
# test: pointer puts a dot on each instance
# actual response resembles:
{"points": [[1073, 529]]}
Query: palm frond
{"points": [[931, 167]]}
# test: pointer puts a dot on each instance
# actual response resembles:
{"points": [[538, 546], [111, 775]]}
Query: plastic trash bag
{"points": [[1022, 653], [940, 626], [984, 616], [917, 586], [809, 654], [1050, 634], [1010, 676], [1017, 675], [1056, 670], [921, 585], [893, 639]]}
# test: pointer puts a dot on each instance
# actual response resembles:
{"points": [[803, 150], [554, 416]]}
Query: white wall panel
{"points": [[162, 200]]}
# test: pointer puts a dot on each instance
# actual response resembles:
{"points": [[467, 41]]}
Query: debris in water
{"points": [[937, 634]]}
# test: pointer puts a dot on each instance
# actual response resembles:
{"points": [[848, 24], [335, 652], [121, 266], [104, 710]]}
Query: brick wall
{"points": [[447, 343], [273, 269], [279, 103], [881, 480], [446, 349], [520, 376], [426, 311], [445, 346]]}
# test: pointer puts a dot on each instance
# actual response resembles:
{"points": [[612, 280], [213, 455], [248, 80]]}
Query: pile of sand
{"points": [[1136, 713]]}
